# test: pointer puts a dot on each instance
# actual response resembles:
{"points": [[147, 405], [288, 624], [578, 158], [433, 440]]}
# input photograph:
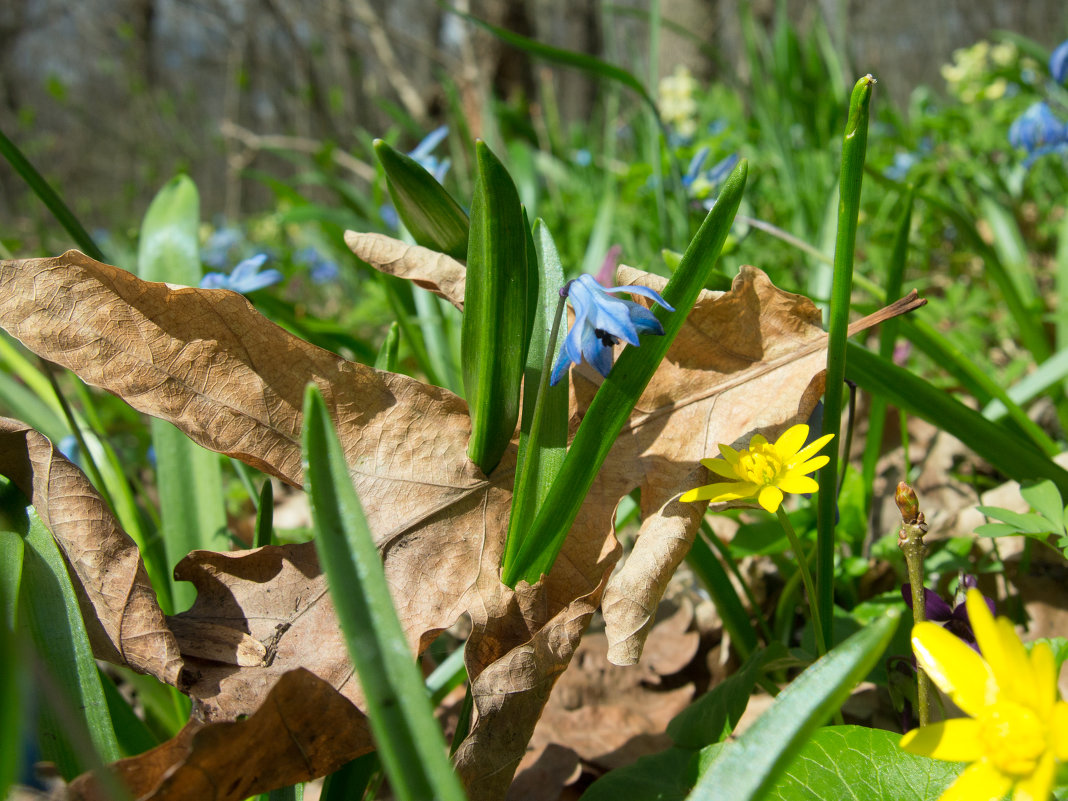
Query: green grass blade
{"points": [[350, 782], [1013, 456], [427, 210], [615, 399], [12, 672], [496, 327], [409, 741], [543, 434], [133, 735], [854, 149], [747, 767], [49, 608], [189, 477], [53, 202], [567, 58], [388, 353], [265, 516]]}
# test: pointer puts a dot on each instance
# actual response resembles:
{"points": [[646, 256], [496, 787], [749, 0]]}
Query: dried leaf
{"points": [[207, 362], [122, 617], [441, 274]]}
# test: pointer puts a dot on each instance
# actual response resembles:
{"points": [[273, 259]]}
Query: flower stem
{"points": [[806, 579], [910, 541]]}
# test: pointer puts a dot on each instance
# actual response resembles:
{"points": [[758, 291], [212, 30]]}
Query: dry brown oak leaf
{"points": [[749, 360], [206, 361]]}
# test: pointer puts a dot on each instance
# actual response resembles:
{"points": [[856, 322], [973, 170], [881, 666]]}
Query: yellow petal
{"points": [[1037, 786], [957, 670], [1045, 673], [979, 782], [812, 448], [1059, 730], [721, 467], [811, 465], [797, 484], [757, 440], [955, 740], [721, 492], [790, 441], [770, 498], [1014, 672], [729, 453]]}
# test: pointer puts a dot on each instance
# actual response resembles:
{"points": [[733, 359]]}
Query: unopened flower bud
{"points": [[907, 503]]}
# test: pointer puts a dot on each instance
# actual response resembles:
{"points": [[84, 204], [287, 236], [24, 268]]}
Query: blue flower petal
{"points": [[645, 321], [430, 141], [1058, 62], [644, 291], [597, 354]]}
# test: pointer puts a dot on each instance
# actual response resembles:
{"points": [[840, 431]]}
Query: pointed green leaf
{"points": [[543, 431], [409, 740], [427, 210], [495, 325]]}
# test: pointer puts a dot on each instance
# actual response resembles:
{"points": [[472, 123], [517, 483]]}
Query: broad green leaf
{"points": [[427, 210], [744, 769], [409, 740], [666, 776], [855, 763], [1025, 523], [543, 431], [1045, 500], [49, 608], [12, 670], [1015, 457], [997, 530], [188, 476], [616, 397], [495, 323]]}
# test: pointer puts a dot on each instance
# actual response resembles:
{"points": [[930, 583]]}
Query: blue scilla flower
{"points": [[1038, 131], [244, 278], [903, 162], [1058, 62], [321, 270], [701, 184], [601, 322], [423, 153], [220, 248]]}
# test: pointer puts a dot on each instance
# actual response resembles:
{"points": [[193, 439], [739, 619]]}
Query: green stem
{"points": [[806, 579]]}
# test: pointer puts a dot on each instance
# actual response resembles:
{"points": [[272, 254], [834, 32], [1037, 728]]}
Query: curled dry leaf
{"points": [[124, 622], [208, 362], [441, 274]]}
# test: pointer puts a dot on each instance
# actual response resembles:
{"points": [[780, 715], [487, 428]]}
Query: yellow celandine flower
{"points": [[1018, 730], [764, 471]]}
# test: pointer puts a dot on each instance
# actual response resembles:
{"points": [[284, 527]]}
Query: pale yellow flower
{"points": [[764, 471], [1018, 730]]}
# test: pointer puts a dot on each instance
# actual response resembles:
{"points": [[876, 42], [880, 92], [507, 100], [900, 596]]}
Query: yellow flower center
{"points": [[1013, 738], [761, 464]]}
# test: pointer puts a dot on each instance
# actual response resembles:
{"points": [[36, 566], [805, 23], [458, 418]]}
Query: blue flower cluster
{"points": [[1039, 131]]}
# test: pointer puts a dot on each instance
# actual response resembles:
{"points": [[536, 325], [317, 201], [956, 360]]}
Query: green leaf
{"points": [[189, 477], [543, 431], [1046, 500], [52, 201], [666, 776], [134, 737], [387, 354], [854, 150], [616, 397], [855, 763], [748, 766], [715, 579], [49, 608], [12, 668], [1015, 457], [429, 212], [1028, 523], [409, 740], [997, 530], [495, 326]]}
